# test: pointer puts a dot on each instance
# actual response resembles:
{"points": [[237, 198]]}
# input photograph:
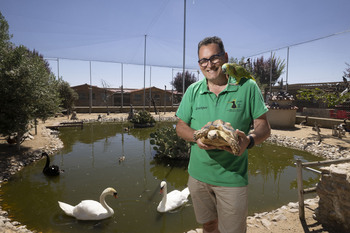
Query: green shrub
{"points": [[169, 145], [143, 117]]}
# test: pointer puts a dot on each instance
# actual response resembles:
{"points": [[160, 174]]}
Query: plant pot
{"points": [[282, 103], [281, 118]]}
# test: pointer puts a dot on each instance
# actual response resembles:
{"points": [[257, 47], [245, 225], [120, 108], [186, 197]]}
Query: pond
{"points": [[90, 158]]}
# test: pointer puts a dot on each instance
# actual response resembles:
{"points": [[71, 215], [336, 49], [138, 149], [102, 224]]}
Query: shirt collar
{"points": [[231, 87]]}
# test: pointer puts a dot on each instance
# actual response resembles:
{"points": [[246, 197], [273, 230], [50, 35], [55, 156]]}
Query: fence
{"points": [[301, 190]]}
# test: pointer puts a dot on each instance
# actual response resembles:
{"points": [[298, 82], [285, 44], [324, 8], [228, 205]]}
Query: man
{"points": [[218, 179]]}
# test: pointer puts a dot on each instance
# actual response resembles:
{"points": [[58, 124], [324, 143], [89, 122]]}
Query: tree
{"points": [[27, 91], [27, 87], [261, 70], [347, 71], [4, 34], [239, 62], [106, 96], [67, 95], [178, 84], [330, 97]]}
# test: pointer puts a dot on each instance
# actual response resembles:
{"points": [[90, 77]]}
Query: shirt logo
{"points": [[201, 108], [233, 102]]}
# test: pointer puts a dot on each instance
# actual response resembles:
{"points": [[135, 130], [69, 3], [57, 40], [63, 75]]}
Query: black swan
{"points": [[52, 170]]}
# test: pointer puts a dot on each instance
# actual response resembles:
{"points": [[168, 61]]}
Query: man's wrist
{"points": [[251, 142]]}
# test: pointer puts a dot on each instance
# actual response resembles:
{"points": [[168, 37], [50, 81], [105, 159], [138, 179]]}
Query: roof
{"points": [[127, 90]]}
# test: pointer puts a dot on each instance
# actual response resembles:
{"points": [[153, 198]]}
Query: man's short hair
{"points": [[211, 40]]}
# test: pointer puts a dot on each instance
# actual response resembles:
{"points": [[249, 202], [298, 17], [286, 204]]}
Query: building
{"points": [[125, 96], [100, 96]]}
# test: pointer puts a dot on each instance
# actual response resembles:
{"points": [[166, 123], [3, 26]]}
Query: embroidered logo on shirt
{"points": [[233, 102]]}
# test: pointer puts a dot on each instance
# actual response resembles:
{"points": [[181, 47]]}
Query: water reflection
{"points": [[90, 159]]}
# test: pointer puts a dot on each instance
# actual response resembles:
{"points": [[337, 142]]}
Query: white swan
{"points": [[172, 200], [90, 209]]}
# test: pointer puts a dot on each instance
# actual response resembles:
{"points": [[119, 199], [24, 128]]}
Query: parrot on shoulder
{"points": [[236, 71]]}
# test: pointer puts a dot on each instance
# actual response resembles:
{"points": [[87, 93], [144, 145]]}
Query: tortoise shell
{"points": [[218, 133]]}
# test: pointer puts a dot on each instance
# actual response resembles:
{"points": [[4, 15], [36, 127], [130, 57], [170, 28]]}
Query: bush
{"points": [[143, 117], [169, 145]]}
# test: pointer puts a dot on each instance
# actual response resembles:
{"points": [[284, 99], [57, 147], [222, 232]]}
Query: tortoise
{"points": [[218, 133]]}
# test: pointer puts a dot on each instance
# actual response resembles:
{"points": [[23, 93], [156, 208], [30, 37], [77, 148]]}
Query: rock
{"points": [[279, 217], [266, 223], [293, 205]]}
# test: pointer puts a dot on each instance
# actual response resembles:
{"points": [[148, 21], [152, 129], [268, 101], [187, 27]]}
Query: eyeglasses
{"points": [[213, 59]]}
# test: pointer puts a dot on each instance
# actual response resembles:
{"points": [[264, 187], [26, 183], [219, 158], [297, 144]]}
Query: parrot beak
{"points": [[224, 68]]}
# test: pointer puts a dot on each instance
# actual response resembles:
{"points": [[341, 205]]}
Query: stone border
{"points": [[319, 149], [16, 163]]}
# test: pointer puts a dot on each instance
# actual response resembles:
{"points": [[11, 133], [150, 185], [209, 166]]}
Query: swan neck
{"points": [[47, 161], [165, 194], [104, 204]]}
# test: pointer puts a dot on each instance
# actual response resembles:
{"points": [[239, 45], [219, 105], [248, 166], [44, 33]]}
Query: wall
{"points": [[125, 109], [98, 96], [158, 95], [323, 122], [130, 96], [334, 193], [317, 112]]}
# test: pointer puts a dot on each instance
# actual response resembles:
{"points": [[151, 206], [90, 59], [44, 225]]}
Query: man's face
{"points": [[211, 69]]}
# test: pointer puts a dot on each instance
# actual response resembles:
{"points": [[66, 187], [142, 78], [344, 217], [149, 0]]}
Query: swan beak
{"points": [[161, 190], [115, 195]]}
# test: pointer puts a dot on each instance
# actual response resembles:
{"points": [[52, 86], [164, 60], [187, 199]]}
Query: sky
{"points": [[90, 41]]}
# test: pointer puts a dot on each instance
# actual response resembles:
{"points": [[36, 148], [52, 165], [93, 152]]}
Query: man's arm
{"points": [[260, 133], [262, 129], [184, 131]]}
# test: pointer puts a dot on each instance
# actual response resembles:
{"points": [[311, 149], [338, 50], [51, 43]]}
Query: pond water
{"points": [[90, 158]]}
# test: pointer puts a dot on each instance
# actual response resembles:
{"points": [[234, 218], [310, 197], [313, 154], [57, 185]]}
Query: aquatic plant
{"points": [[169, 145], [143, 118]]}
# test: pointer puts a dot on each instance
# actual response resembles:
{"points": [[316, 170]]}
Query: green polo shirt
{"points": [[237, 104]]}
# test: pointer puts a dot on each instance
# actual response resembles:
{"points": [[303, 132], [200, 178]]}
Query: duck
{"points": [[90, 209], [172, 200], [318, 130], [345, 126], [50, 170], [99, 117], [347, 86], [11, 140], [121, 159], [304, 122]]}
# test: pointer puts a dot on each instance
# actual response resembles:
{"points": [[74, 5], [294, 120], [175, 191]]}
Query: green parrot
{"points": [[236, 71]]}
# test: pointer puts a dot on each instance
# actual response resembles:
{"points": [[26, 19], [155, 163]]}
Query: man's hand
{"points": [[243, 141], [205, 146]]}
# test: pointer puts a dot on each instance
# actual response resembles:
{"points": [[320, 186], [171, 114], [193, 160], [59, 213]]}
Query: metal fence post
{"points": [[300, 189]]}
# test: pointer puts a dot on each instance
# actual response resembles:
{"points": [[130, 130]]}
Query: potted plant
{"points": [[282, 112]]}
